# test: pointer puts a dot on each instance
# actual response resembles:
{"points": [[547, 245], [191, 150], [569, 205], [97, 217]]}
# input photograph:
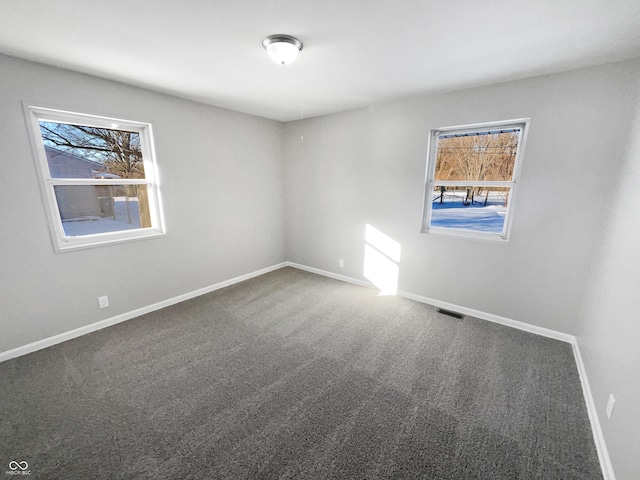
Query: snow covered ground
{"points": [[452, 213], [94, 224]]}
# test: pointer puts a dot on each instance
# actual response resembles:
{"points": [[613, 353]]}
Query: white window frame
{"points": [[431, 183], [62, 242]]}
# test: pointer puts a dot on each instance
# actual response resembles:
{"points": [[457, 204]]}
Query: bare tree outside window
{"points": [[118, 151], [98, 176], [477, 157], [472, 177]]}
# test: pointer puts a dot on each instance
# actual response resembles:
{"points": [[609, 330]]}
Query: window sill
{"points": [[69, 244], [459, 233]]}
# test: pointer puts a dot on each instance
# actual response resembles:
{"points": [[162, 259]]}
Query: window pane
{"points": [[79, 151], [479, 156], [91, 209], [480, 209]]}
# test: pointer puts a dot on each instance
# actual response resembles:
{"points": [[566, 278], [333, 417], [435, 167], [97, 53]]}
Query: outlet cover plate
{"points": [[103, 302]]}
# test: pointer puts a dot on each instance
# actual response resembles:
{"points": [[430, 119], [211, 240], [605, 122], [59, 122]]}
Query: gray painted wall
{"points": [[221, 186], [609, 330], [368, 166]]}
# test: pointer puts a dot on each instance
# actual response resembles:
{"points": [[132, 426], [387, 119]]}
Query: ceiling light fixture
{"points": [[283, 49]]}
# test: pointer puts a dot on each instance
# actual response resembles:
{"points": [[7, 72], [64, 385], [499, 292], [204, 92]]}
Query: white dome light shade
{"points": [[282, 52], [283, 49]]}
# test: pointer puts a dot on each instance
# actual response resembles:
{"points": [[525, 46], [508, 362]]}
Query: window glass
{"points": [[480, 209], [92, 209], [480, 156], [78, 151]]}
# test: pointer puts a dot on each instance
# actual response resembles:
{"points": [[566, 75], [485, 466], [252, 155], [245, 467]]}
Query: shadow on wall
{"points": [[381, 260]]}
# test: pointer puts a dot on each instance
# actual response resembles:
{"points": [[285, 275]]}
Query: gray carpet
{"points": [[293, 375]]}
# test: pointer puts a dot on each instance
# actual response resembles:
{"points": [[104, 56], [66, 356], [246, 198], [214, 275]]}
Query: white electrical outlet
{"points": [[610, 404], [103, 302], [341, 263]]}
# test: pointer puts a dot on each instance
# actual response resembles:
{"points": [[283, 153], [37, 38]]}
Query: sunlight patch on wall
{"points": [[381, 257]]}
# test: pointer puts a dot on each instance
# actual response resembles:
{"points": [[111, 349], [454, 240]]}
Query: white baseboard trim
{"points": [[47, 342], [545, 332], [490, 317], [603, 454], [598, 437], [325, 273]]}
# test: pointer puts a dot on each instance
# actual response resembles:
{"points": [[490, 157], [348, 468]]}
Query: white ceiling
{"points": [[356, 52]]}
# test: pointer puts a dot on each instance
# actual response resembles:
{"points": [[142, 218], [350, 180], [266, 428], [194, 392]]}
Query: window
{"points": [[98, 178], [471, 179]]}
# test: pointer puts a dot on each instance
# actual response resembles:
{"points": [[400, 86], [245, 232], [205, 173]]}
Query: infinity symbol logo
{"points": [[13, 465]]}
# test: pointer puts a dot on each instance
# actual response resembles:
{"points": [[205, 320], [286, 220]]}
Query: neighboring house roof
{"points": [[68, 165], [104, 175]]}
